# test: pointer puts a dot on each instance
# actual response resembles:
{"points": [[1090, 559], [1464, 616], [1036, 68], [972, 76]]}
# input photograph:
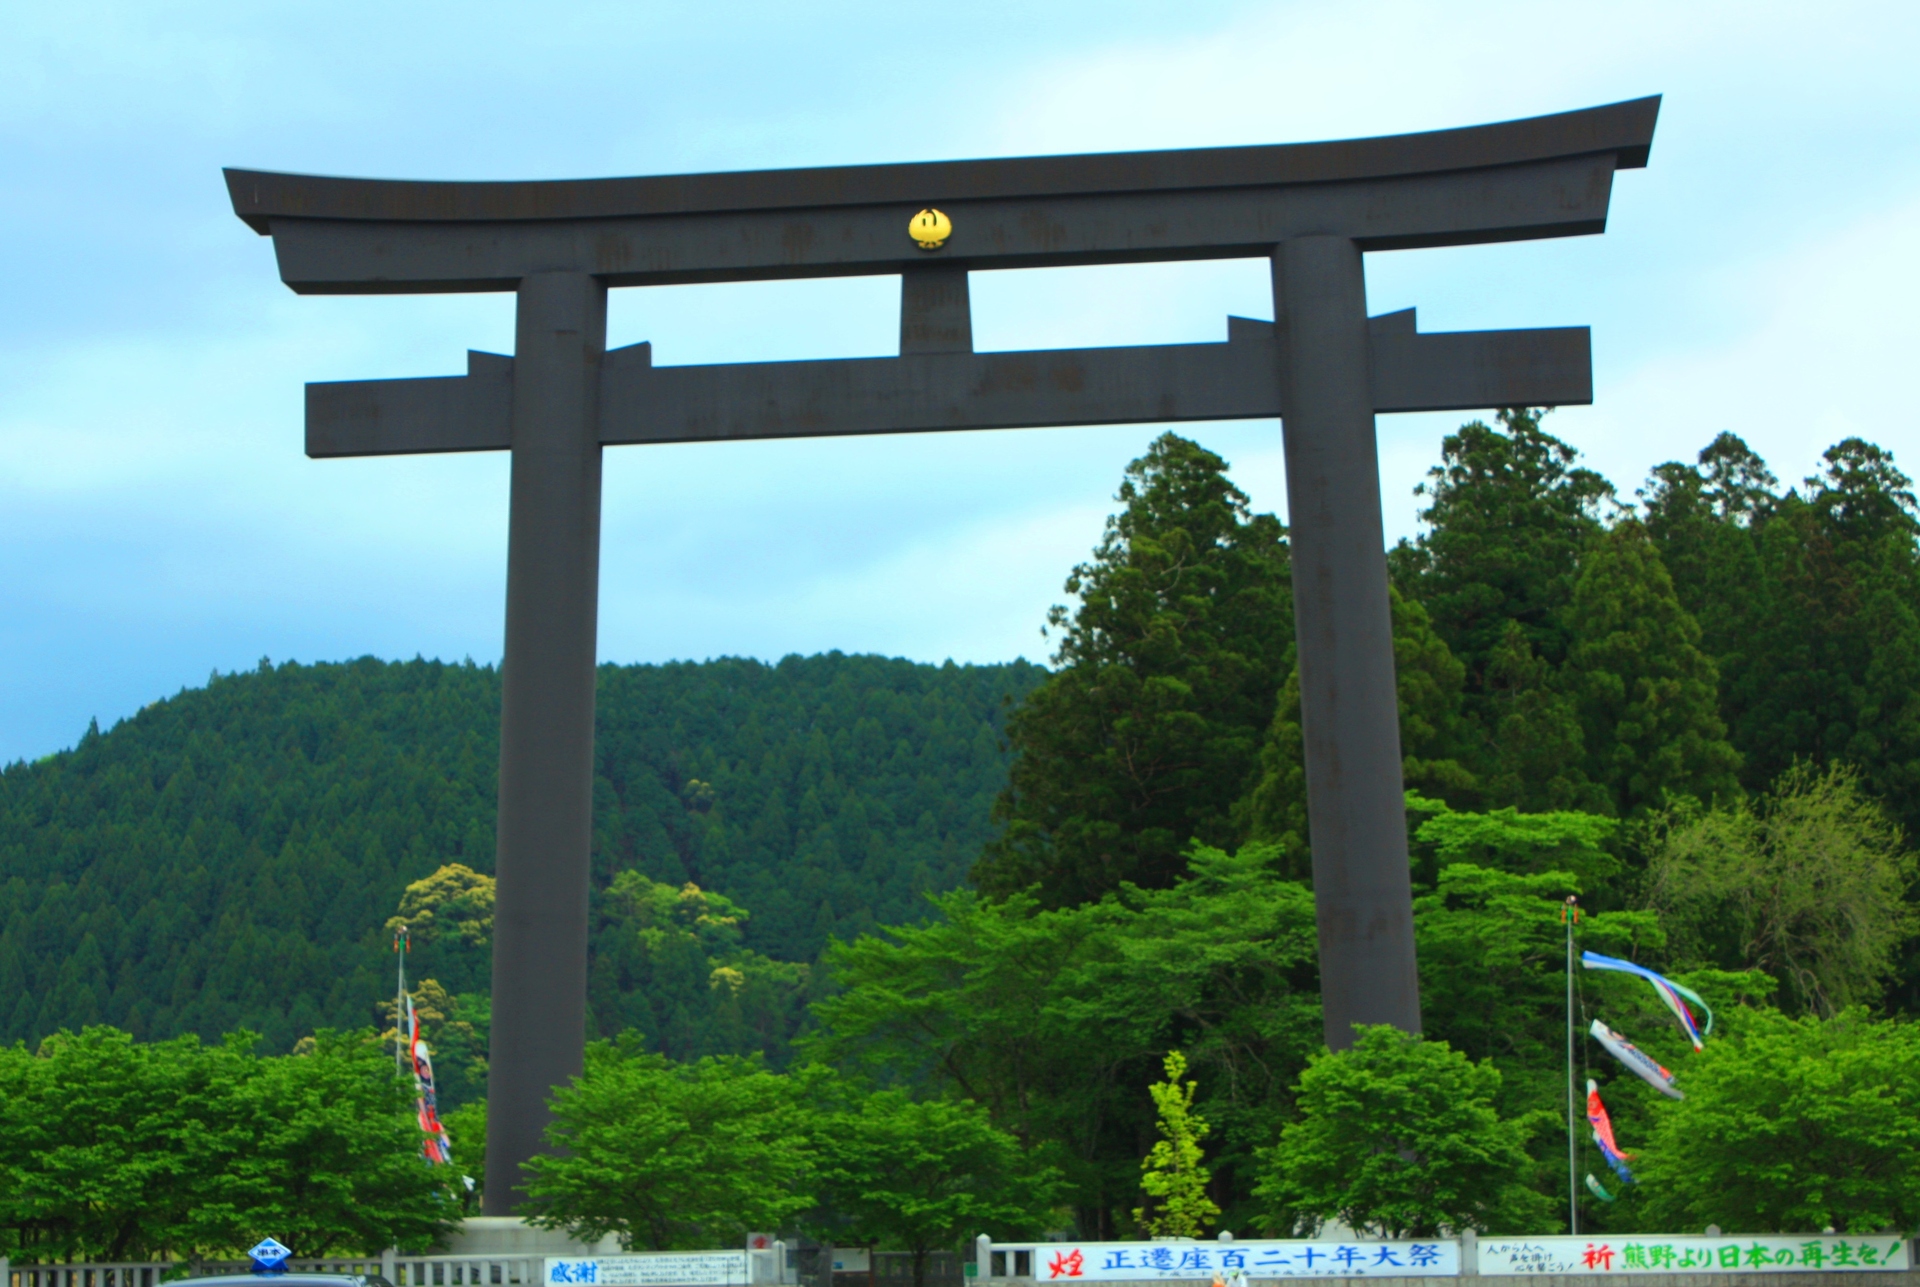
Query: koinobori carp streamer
{"points": [[1638, 1062]]}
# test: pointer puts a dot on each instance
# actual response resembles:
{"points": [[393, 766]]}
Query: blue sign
{"points": [[269, 1257]]}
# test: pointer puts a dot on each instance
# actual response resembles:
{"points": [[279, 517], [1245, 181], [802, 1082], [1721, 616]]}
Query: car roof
{"points": [[284, 1280]]}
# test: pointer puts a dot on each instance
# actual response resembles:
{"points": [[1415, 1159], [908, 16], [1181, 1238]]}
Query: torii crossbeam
{"points": [[1323, 367]]}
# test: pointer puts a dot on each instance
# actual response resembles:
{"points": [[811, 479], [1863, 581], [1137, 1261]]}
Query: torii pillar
{"points": [[1323, 367]]}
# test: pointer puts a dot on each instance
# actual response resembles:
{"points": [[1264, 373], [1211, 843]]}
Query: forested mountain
{"points": [[228, 857]]}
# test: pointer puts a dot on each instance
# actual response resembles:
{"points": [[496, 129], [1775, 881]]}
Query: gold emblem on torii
{"points": [[930, 229]]}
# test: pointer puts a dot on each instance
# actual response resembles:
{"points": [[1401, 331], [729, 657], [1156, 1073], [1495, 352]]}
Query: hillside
{"points": [[228, 856]]}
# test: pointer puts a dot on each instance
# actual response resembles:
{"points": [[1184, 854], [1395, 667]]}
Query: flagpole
{"points": [[1569, 914], [400, 945]]}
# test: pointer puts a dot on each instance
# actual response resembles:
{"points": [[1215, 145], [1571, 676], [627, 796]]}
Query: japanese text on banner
{"points": [[1124, 1261], [660, 1269], [1681, 1254]]}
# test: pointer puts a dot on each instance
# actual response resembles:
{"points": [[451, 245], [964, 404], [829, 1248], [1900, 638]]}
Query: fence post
{"points": [[1469, 1253], [982, 1260], [387, 1269]]}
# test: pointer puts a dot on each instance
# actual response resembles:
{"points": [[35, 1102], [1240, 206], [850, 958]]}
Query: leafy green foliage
{"points": [[1809, 886], [1583, 698], [672, 1156], [455, 901], [1149, 730], [466, 1126], [456, 1030], [925, 1175], [1800, 1124], [115, 1150], [1399, 1135], [1535, 751], [227, 858], [1053, 1019], [314, 1148], [671, 963], [1530, 843], [1492, 969], [829, 794], [1173, 1176]]}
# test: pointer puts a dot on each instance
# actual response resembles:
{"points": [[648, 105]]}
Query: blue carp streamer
{"points": [[1675, 995]]}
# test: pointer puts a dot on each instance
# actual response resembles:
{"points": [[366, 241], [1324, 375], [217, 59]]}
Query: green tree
{"points": [[1435, 741], [456, 1031], [1173, 1176], [1536, 752], [467, 1128], [1809, 885], [1492, 975], [321, 1148], [1703, 519], [1149, 729], [1646, 695], [454, 901], [671, 959], [672, 1155], [115, 1150], [657, 910], [1432, 738], [922, 1175], [97, 1139], [1509, 517], [1568, 841], [1799, 1125], [1398, 1135], [1053, 1018]]}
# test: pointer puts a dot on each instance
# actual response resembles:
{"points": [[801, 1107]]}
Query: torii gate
{"points": [[1323, 367]]}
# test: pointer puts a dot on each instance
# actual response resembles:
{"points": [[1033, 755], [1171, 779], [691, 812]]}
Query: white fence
{"points": [[765, 1267], [401, 1271]]}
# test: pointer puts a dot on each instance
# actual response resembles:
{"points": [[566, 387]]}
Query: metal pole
{"points": [[399, 998], [1356, 808], [546, 720], [1569, 914]]}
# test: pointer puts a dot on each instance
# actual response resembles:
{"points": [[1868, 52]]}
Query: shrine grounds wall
{"points": [[1903, 1278]]}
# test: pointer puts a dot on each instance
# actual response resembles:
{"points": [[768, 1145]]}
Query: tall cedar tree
{"points": [[1150, 728], [1508, 519], [1644, 691], [1534, 753]]}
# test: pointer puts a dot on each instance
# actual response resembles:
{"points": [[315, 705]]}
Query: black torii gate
{"points": [[1322, 366]]}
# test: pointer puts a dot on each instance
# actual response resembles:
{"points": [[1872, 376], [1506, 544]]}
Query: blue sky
{"points": [[158, 520]]}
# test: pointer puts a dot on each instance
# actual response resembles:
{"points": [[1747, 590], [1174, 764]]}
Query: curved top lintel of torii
{"points": [[1623, 129]]}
